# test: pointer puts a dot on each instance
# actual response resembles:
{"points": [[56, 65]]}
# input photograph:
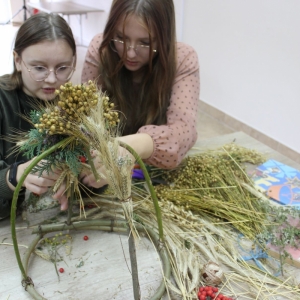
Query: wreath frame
{"points": [[102, 225]]}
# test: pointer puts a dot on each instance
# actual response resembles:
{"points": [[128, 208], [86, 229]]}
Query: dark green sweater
{"points": [[13, 104]]}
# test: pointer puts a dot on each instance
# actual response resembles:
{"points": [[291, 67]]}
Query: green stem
{"points": [[30, 249], [34, 162], [80, 224], [134, 267], [151, 189], [70, 205], [86, 227], [91, 163]]}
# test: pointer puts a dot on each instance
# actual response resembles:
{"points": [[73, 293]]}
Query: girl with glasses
{"points": [[152, 80], [44, 58]]}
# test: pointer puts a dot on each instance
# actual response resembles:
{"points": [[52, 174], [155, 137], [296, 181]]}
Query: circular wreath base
{"points": [[111, 225]]}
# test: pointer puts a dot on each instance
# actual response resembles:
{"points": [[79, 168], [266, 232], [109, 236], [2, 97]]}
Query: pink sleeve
{"points": [[173, 140], [90, 69]]}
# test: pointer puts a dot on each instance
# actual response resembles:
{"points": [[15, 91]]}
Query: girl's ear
{"points": [[18, 61]]}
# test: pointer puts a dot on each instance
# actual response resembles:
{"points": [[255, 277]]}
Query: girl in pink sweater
{"points": [[152, 80]]}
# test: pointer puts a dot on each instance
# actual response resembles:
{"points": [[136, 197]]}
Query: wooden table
{"points": [[99, 268], [65, 8]]}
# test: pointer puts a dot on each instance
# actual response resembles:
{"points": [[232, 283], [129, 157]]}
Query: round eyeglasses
{"points": [[118, 45], [40, 73]]}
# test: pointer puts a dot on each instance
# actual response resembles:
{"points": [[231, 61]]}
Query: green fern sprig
{"points": [[34, 144], [35, 116]]}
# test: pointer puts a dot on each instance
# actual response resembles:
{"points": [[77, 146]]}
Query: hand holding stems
{"points": [[87, 177], [141, 143], [61, 197], [39, 183], [35, 182]]}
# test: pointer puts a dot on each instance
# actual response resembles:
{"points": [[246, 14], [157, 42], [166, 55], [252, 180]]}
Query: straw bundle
{"points": [[202, 221]]}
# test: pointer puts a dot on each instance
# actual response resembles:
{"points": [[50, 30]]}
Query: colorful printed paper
{"points": [[280, 182]]}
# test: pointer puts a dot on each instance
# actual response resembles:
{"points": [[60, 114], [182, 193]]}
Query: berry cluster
{"points": [[211, 293], [77, 99], [74, 102], [111, 116]]}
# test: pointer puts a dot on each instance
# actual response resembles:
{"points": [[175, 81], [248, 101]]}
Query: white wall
{"points": [[94, 23], [249, 54], [5, 11]]}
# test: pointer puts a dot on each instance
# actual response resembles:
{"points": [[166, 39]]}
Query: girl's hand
{"points": [[87, 177], [61, 198], [142, 143], [39, 184], [35, 182]]}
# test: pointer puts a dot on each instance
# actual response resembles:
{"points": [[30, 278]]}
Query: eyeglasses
{"points": [[40, 73], [118, 45]]}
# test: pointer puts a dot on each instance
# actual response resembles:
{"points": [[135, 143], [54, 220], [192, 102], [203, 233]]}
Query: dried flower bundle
{"points": [[209, 184], [82, 119], [193, 241], [202, 221]]}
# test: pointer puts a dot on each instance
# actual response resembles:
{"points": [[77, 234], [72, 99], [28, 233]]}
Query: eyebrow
{"points": [[40, 62], [143, 38]]}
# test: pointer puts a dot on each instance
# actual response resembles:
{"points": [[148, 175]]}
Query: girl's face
{"points": [[48, 54], [135, 41]]}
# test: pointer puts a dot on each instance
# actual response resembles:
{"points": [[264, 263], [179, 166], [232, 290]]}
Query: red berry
{"points": [[85, 237], [202, 297], [61, 270], [91, 205], [82, 159], [215, 289]]}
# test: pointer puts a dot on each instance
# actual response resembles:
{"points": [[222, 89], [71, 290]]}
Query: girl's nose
{"points": [[51, 77], [131, 51]]}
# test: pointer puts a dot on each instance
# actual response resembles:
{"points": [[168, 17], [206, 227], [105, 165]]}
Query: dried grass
{"points": [[202, 223]]}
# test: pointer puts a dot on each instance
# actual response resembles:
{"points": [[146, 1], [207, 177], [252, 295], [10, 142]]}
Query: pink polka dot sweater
{"points": [[172, 140]]}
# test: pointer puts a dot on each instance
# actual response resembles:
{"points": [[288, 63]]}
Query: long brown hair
{"points": [[147, 103], [38, 28]]}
